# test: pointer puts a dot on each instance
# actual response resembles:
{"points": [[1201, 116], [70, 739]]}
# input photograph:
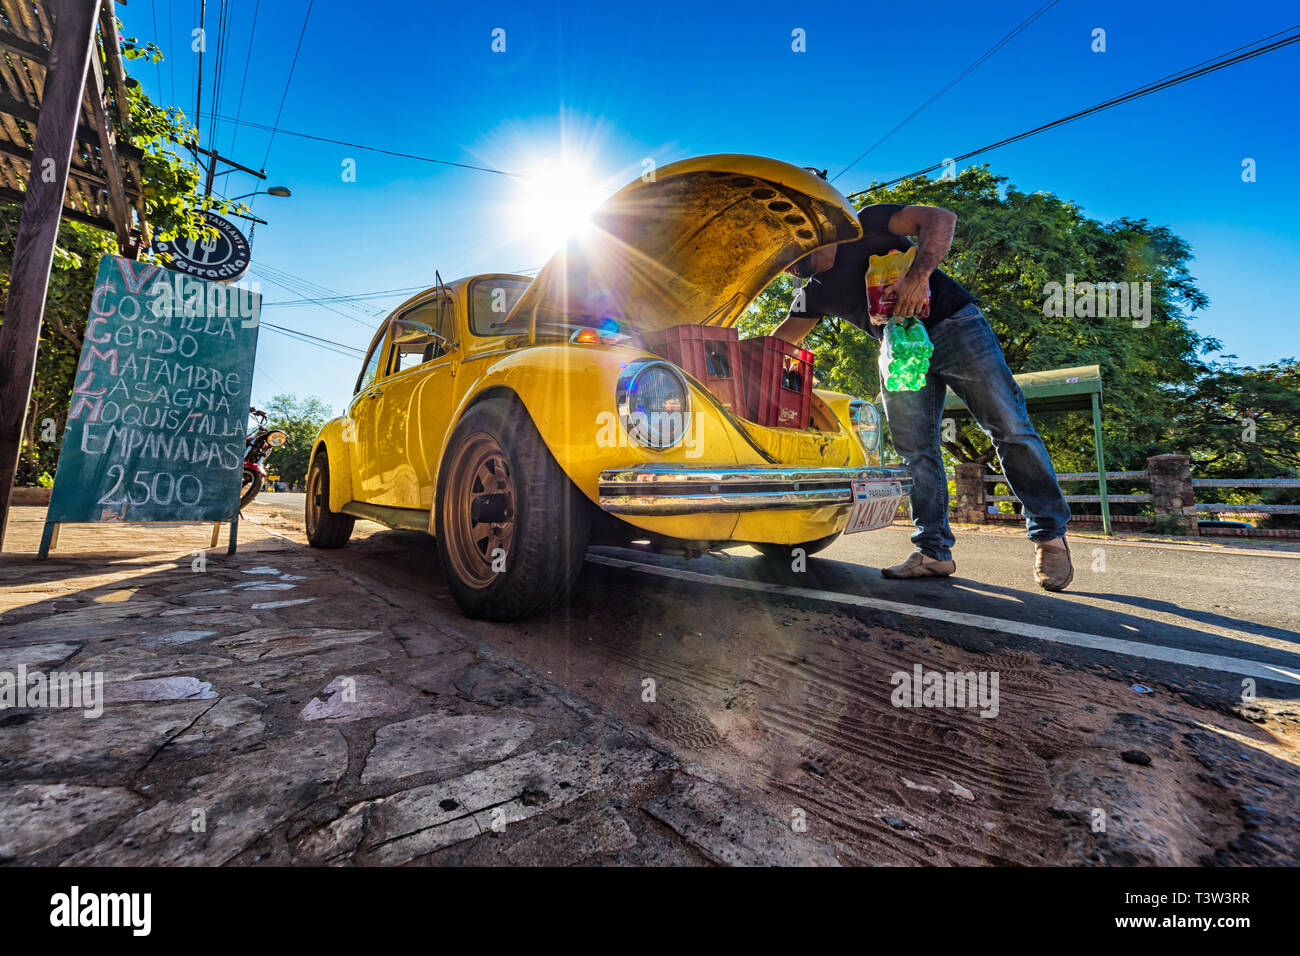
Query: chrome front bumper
{"points": [[674, 490]]}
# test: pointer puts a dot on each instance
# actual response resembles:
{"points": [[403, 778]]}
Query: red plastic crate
{"points": [[778, 382], [710, 354]]}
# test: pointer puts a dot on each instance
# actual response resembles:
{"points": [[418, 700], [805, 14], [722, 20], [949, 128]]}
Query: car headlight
{"points": [[866, 422], [654, 403], [276, 438]]}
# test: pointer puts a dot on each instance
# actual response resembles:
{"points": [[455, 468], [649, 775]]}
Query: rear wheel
{"points": [[784, 552], [511, 527], [325, 528]]}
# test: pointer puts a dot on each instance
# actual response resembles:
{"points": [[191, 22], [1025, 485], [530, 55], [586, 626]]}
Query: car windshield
{"points": [[491, 300]]}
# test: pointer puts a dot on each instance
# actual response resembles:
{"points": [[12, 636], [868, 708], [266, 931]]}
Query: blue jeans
{"points": [[968, 359]]}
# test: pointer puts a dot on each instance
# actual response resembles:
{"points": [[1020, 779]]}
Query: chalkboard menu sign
{"points": [[156, 426]]}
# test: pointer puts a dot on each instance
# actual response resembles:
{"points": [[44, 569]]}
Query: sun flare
{"points": [[556, 202]]}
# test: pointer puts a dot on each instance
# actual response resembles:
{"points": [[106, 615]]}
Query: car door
{"points": [[421, 386], [359, 431]]}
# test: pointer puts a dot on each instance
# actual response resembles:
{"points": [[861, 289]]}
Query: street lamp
{"points": [[281, 192]]}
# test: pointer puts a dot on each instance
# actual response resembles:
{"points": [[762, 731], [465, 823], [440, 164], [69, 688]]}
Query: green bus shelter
{"points": [[1059, 390]]}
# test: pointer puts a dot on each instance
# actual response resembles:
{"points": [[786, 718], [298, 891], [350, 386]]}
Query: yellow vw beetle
{"points": [[518, 420]]}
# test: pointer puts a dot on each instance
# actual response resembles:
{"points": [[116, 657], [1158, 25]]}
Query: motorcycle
{"points": [[258, 446]]}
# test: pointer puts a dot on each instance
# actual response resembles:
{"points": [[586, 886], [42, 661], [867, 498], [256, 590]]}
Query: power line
{"points": [[328, 344], [303, 287], [360, 296], [219, 71], [293, 285], [1174, 79], [1015, 31], [288, 81], [308, 287], [203, 43], [373, 149], [239, 107], [153, 8], [171, 43]]}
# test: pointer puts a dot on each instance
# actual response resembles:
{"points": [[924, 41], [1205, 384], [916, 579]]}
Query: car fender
{"points": [[331, 438], [569, 393]]}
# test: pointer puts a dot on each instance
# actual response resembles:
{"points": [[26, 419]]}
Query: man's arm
{"points": [[933, 228], [795, 328]]}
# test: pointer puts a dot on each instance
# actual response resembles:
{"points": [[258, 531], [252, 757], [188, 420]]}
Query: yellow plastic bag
{"points": [[882, 272]]}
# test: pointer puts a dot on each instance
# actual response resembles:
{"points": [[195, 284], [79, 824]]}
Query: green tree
{"points": [[301, 421], [67, 304], [1243, 422]]}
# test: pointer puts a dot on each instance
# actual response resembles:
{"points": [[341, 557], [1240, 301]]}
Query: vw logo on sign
{"points": [[223, 258]]}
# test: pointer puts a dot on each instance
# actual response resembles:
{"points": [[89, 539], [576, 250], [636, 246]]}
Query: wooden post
{"points": [[49, 539], [1101, 464], [38, 228]]}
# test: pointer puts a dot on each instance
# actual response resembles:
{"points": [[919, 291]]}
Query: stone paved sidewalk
{"points": [[268, 708]]}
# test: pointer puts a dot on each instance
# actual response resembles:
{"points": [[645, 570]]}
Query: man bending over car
{"points": [[967, 358]]}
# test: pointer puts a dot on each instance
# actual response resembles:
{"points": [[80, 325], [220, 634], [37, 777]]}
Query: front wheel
{"points": [[249, 489], [784, 552], [325, 528], [511, 527]]}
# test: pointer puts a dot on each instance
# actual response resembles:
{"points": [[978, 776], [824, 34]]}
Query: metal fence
{"points": [[1201, 507]]}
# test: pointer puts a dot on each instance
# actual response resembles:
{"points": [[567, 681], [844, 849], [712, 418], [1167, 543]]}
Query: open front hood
{"points": [[695, 246]]}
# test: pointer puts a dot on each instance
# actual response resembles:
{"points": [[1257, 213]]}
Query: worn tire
{"points": [[781, 552], [325, 528], [250, 492], [549, 518]]}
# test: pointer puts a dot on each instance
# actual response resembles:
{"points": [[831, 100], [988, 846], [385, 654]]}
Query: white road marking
{"points": [[1173, 655]]}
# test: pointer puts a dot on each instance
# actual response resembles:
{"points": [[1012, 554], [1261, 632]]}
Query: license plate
{"points": [[874, 505]]}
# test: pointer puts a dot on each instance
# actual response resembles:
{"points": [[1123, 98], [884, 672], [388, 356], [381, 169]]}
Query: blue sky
{"points": [[615, 83]]}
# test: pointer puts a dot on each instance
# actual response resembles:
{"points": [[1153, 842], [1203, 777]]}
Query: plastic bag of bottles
{"points": [[905, 351]]}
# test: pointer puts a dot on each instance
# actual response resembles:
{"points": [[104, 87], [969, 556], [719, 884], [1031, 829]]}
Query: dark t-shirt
{"points": [[842, 289]]}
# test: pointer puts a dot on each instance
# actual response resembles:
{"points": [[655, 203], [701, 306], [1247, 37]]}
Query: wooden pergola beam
{"points": [[113, 55], [121, 94], [85, 134], [76, 172], [24, 48], [118, 207], [76, 215]]}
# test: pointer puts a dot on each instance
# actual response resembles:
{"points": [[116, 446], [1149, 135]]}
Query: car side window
{"points": [[445, 324], [421, 335], [371, 368], [412, 343]]}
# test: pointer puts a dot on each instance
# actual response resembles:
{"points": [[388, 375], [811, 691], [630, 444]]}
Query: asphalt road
{"points": [[1194, 598], [1123, 697]]}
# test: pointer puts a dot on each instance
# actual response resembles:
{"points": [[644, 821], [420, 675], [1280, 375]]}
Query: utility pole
{"points": [[214, 158]]}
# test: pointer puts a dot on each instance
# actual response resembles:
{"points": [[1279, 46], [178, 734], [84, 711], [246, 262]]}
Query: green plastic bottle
{"points": [[908, 349]]}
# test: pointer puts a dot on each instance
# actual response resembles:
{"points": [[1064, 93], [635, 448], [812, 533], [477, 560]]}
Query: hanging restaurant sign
{"points": [[222, 259]]}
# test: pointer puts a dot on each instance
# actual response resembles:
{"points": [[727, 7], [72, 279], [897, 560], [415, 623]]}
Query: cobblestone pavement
{"points": [[266, 707]]}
